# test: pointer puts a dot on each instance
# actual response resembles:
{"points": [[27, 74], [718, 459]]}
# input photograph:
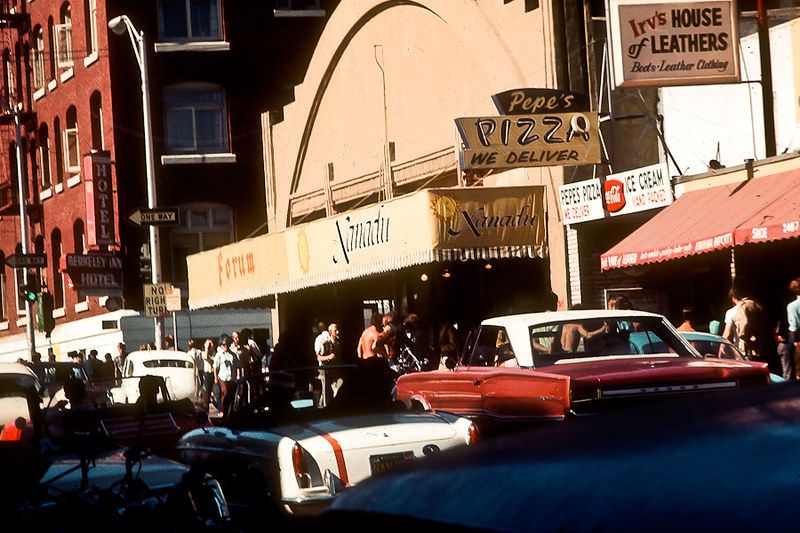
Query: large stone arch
{"points": [[461, 51]]}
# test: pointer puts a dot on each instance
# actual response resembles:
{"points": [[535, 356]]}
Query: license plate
{"points": [[385, 462]]}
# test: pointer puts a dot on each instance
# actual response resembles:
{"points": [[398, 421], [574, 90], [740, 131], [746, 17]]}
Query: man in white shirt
{"points": [[227, 370], [328, 350]]}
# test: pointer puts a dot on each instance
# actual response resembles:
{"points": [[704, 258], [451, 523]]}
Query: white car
{"points": [[176, 367], [295, 461]]}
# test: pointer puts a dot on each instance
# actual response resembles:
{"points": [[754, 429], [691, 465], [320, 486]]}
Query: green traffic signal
{"points": [[30, 295]]}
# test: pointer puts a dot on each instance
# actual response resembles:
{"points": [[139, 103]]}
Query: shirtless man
{"points": [[369, 345], [571, 335]]}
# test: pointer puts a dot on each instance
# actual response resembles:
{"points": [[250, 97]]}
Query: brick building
{"points": [[213, 67]]}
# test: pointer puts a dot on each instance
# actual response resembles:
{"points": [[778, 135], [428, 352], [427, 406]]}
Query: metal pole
{"points": [[175, 330], [23, 223], [155, 250], [766, 79]]}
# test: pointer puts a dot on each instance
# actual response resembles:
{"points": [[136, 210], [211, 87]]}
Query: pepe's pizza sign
{"points": [[669, 42]]}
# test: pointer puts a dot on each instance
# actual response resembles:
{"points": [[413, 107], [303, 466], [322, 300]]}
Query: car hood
{"points": [[637, 370], [156, 472]]}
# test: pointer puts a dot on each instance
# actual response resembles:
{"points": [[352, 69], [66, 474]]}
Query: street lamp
{"points": [[120, 25]]}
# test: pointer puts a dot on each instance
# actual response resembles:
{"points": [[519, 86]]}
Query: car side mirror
{"points": [[450, 363]]}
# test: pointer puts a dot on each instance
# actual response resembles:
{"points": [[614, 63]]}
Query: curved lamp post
{"points": [[120, 25]]}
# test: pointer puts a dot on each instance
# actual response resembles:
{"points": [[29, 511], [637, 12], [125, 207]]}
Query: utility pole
{"points": [[23, 229], [766, 79]]}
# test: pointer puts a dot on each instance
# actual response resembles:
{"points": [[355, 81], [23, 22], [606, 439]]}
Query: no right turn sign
{"points": [[155, 299]]}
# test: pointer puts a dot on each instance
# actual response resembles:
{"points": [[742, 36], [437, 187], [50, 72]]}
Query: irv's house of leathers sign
{"points": [[670, 42]]}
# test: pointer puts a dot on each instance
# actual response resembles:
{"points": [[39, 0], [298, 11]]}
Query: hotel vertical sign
{"points": [[101, 200], [670, 42]]}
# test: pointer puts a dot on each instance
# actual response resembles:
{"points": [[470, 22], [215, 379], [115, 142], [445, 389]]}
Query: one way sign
{"points": [[157, 216]]}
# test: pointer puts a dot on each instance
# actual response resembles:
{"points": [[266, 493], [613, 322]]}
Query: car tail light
{"points": [[473, 434], [300, 467]]}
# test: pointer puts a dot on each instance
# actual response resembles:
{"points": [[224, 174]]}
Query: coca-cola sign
{"points": [[614, 193]]}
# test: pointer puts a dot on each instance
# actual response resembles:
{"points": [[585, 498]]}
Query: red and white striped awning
{"points": [[758, 210]]}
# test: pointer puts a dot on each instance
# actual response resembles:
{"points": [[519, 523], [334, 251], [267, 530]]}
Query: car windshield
{"points": [[559, 342], [60, 373], [167, 363], [713, 347]]}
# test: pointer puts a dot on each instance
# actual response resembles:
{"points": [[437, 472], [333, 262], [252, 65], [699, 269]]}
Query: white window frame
{"points": [[187, 227], [189, 37], [76, 168], [39, 78], [44, 162], [11, 79], [286, 8], [93, 27], [63, 42], [3, 297], [199, 88]]}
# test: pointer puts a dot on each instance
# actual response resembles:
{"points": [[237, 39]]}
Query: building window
{"points": [[10, 81], [79, 238], [203, 227], [196, 119], [190, 20], [298, 8], [44, 156], [58, 277], [51, 42], [72, 150], [3, 287], [58, 150], [96, 112], [90, 14], [38, 58], [63, 38]]}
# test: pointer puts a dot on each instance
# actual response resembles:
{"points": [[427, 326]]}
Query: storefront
{"points": [[743, 228], [454, 255]]}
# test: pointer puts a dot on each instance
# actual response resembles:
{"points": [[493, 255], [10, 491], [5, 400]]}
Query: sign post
{"points": [[156, 216], [27, 261], [155, 299]]}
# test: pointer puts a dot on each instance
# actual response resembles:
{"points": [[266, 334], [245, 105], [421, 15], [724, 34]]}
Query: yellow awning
{"points": [[426, 226]]}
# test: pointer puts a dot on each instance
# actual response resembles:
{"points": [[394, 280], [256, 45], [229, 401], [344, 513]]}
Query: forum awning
{"points": [[758, 210], [429, 225]]}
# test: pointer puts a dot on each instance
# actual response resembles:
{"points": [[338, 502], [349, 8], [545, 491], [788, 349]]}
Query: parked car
{"points": [[176, 367], [297, 459], [79, 478], [543, 366], [54, 375], [725, 464]]}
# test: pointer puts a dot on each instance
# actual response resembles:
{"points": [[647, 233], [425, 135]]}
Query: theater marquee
{"points": [[670, 42]]}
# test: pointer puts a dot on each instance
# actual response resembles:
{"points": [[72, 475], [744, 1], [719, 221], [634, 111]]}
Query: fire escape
{"points": [[14, 102]]}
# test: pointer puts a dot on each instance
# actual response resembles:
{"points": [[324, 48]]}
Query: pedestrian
{"points": [[756, 338], [107, 366], [329, 352], [91, 365], [209, 351], [251, 363], [786, 351], [688, 319], [368, 343], [197, 357], [119, 363], [729, 331], [169, 342], [227, 370]]}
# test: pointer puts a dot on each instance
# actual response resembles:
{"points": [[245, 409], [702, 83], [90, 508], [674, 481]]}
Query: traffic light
{"points": [[44, 313], [30, 291]]}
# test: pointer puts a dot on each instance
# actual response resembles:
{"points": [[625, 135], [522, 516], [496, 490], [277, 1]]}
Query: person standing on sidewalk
{"points": [[328, 350], [793, 318], [226, 371], [209, 351]]}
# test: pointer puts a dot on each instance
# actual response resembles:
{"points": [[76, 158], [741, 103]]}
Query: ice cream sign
{"points": [[637, 190]]}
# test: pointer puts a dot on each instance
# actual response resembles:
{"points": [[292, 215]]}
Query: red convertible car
{"points": [[546, 365]]}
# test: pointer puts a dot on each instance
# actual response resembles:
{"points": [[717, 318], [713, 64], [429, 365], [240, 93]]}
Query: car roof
{"points": [[149, 355], [529, 319], [16, 368], [702, 336]]}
